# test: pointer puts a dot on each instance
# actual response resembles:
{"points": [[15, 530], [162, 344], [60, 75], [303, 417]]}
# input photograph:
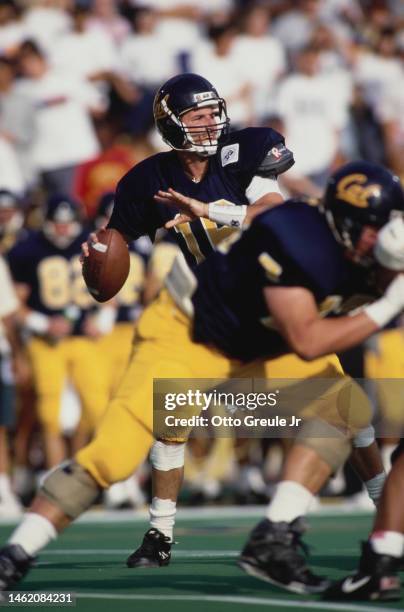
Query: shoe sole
{"points": [[147, 564], [253, 570]]}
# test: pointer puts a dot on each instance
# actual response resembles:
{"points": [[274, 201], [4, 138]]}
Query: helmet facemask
{"points": [[200, 139], [63, 226]]}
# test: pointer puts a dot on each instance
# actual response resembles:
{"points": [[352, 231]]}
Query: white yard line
{"points": [[130, 516], [232, 599], [177, 554]]}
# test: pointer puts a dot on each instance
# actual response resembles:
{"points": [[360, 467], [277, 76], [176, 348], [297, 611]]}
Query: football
{"points": [[106, 268]]}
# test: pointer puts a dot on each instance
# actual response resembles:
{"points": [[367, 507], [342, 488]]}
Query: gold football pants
{"points": [[384, 363], [164, 349], [75, 359]]}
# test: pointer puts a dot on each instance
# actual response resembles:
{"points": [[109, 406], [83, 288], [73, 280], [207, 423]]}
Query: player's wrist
{"points": [[382, 311], [227, 214]]}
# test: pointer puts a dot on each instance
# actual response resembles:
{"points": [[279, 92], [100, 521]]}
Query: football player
{"points": [[300, 266], [58, 314], [236, 172], [11, 220]]}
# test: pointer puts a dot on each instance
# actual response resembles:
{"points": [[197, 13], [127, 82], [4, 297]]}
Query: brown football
{"points": [[106, 268]]}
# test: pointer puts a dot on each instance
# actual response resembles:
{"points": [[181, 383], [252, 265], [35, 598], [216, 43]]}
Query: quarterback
{"points": [[236, 173]]}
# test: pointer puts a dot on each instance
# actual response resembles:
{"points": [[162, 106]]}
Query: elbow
{"points": [[306, 349]]}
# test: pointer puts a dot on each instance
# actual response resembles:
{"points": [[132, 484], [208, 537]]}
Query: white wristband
{"points": [[227, 214], [37, 322], [382, 311], [105, 319]]}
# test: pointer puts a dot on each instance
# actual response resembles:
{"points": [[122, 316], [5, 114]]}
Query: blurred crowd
{"points": [[77, 80]]}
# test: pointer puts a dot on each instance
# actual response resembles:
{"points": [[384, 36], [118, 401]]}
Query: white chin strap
{"points": [[204, 150]]}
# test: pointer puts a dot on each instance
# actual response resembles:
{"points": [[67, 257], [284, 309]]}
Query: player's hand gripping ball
{"points": [[106, 267]]}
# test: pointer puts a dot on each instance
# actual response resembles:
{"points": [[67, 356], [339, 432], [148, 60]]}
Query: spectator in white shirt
{"points": [[375, 69], [146, 61], [84, 52], [178, 24], [12, 31], [64, 135], [261, 56], [313, 114], [106, 18], [295, 26], [216, 61], [390, 112], [16, 120], [45, 21]]}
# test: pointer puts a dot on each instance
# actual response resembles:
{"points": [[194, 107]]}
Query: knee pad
{"points": [[72, 488], [328, 442], [165, 457]]}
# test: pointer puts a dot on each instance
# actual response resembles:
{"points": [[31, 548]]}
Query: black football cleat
{"points": [[375, 580], [14, 564], [155, 551], [273, 553]]}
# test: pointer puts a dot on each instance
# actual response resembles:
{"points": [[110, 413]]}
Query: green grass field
{"points": [[89, 559]]}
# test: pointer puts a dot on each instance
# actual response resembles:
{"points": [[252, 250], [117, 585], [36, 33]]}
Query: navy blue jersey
{"points": [[53, 276], [290, 245], [229, 173]]}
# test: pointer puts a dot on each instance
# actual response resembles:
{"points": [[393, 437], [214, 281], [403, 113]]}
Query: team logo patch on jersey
{"points": [[229, 154]]}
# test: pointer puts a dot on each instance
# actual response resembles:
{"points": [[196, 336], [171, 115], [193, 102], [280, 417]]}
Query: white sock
{"points": [[388, 543], [5, 486], [385, 452], [162, 515], [291, 500], [374, 487], [33, 533]]}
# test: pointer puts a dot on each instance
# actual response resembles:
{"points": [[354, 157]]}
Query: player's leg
{"points": [[272, 551], [167, 456], [119, 446], [88, 369], [49, 374], [167, 459], [377, 575]]}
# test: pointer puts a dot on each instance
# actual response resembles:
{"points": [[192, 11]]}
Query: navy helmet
{"points": [[360, 194], [63, 220], [179, 95]]}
